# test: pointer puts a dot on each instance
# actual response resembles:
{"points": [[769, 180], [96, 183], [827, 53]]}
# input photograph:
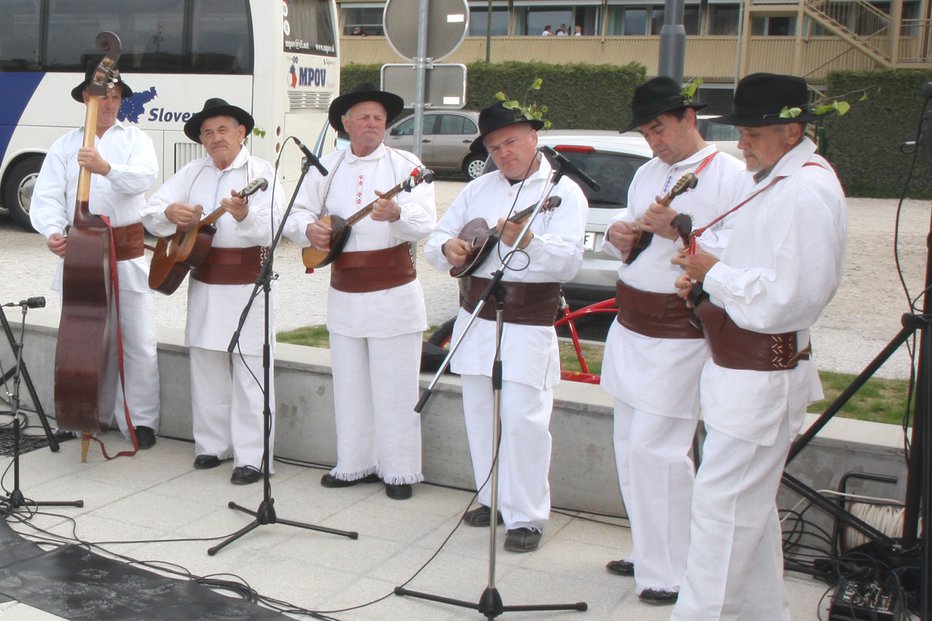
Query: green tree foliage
{"points": [[864, 145]]}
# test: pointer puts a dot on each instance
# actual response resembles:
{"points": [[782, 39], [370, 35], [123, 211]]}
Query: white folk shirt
{"points": [[351, 186], [529, 353], [660, 375], [781, 267], [119, 195], [214, 310]]}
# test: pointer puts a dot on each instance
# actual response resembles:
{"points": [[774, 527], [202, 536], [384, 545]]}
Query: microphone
{"points": [[311, 157], [34, 302], [569, 167]]}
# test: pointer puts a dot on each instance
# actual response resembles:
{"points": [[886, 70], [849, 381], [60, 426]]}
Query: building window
{"points": [[773, 26], [723, 19], [369, 20], [690, 19], [478, 21]]}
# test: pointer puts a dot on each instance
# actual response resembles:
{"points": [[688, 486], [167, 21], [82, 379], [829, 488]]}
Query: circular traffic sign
{"points": [[447, 22]]}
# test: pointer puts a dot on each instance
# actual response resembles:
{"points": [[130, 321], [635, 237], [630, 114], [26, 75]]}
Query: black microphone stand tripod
{"points": [[21, 367], [490, 603], [265, 514], [16, 499]]}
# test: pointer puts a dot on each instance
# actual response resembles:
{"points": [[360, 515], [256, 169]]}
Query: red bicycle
{"points": [[566, 319]]}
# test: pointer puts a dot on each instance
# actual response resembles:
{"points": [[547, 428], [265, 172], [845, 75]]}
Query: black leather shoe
{"points": [[620, 568], [522, 539], [328, 480], [244, 475], [145, 436], [480, 517], [205, 462], [63, 436], [658, 597], [402, 491]]}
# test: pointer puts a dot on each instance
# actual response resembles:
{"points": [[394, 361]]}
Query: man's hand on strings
{"points": [[456, 251], [57, 243], [90, 159], [657, 220], [236, 206], [509, 233], [185, 217], [622, 235], [318, 233], [385, 209], [696, 265]]}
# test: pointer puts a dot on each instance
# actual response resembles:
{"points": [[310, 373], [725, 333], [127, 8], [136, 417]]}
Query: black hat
{"points": [[216, 107], [77, 91], [496, 117], [655, 97], [392, 103], [761, 97]]}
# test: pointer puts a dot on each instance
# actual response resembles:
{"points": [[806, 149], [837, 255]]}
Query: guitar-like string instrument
{"points": [[688, 181], [340, 227], [185, 251], [85, 357], [482, 238]]}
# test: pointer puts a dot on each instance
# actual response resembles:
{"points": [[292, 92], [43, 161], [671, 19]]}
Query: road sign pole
{"points": [[420, 62]]}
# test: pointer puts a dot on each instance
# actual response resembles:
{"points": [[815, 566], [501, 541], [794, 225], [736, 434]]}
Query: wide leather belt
{"points": [[526, 303], [658, 315], [373, 270], [129, 241], [230, 266], [734, 347]]}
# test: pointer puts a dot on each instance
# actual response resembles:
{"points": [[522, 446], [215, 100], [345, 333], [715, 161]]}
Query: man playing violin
{"points": [[227, 399], [652, 354], [123, 165], [548, 254], [759, 297], [375, 306]]}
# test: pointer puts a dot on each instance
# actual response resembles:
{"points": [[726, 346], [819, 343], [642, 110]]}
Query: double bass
{"points": [[85, 357]]}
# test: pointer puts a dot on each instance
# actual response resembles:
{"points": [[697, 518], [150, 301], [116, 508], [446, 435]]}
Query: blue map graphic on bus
{"points": [[133, 107]]}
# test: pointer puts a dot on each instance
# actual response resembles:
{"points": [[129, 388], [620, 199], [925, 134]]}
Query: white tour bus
{"points": [[278, 59]]}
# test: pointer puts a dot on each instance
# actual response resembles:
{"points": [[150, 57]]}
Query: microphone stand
{"points": [[15, 499], [21, 367], [265, 514], [490, 603]]}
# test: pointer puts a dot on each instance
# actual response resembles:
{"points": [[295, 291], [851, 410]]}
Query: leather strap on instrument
{"points": [[658, 315], [526, 303], [734, 347], [129, 241], [373, 270], [230, 266]]}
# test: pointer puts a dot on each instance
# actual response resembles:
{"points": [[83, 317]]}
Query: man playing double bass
{"points": [[124, 165]]}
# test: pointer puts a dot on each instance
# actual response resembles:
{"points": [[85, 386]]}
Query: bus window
{"points": [[220, 41], [19, 36], [308, 27]]}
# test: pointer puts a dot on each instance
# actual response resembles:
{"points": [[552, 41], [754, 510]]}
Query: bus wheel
{"points": [[17, 193]]}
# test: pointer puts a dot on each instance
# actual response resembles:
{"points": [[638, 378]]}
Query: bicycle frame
{"points": [[568, 318]]}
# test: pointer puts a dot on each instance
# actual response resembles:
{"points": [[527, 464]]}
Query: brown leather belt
{"points": [[734, 347], [658, 315], [230, 266], [526, 303], [129, 241], [373, 270]]}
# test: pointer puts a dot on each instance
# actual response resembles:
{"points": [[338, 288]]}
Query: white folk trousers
{"points": [[655, 474], [375, 389], [735, 565], [140, 362], [227, 406], [524, 458]]}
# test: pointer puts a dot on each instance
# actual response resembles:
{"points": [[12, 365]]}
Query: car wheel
{"points": [[17, 194], [473, 167]]}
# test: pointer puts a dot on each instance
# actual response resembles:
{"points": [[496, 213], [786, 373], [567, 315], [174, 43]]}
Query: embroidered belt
{"points": [[734, 347], [373, 270], [230, 266], [129, 241], [658, 315], [526, 303]]}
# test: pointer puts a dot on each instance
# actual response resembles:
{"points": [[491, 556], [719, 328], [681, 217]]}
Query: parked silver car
{"points": [[445, 141]]}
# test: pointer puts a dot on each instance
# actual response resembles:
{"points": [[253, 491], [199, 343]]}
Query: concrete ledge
{"points": [[582, 472]]}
